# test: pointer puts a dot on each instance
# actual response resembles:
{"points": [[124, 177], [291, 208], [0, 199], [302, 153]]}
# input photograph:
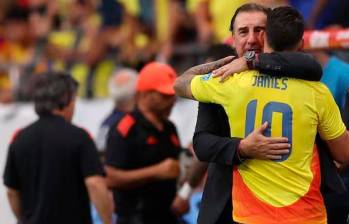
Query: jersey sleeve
{"points": [[90, 164], [207, 89], [331, 125], [11, 178]]}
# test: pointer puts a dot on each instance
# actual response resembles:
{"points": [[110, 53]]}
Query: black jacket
{"points": [[212, 142]]}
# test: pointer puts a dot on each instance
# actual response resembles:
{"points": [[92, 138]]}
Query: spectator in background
{"points": [[109, 36], [181, 33], [335, 76], [128, 33], [71, 38], [72, 46], [16, 50], [142, 152], [318, 14], [4, 6], [122, 89], [17, 44], [39, 17], [213, 18], [52, 168]]}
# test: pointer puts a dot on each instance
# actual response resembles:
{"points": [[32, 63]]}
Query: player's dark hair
{"points": [[250, 7], [53, 91], [285, 28]]}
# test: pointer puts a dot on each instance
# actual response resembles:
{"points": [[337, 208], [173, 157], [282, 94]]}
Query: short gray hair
{"points": [[122, 84], [54, 90]]}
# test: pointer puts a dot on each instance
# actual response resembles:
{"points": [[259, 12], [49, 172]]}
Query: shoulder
{"points": [[23, 133], [15, 135], [238, 79], [125, 124], [205, 78], [318, 87], [112, 118], [78, 133], [322, 95]]}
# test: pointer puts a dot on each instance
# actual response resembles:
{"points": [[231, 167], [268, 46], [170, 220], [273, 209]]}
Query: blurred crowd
{"points": [[104, 43], [92, 38]]}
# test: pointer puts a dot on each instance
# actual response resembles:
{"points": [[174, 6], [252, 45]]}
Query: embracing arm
{"points": [[291, 64], [212, 143], [182, 84]]}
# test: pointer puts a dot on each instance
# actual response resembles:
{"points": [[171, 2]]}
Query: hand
{"points": [[257, 146], [236, 66], [168, 169], [180, 206]]}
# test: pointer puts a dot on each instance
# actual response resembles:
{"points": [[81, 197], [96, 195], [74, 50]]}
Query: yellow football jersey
{"points": [[295, 109]]}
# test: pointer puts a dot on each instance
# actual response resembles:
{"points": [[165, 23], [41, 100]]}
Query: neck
{"points": [[126, 106], [60, 113], [150, 116]]}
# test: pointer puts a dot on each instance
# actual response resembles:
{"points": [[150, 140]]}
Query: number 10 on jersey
{"points": [[268, 110]]}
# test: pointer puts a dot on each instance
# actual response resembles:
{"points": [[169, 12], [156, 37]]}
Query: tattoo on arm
{"points": [[182, 84]]}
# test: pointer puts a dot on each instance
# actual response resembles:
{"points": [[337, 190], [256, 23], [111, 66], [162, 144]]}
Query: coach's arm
{"points": [[212, 142]]}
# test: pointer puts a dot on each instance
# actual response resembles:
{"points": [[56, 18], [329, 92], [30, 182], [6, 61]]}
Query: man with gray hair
{"points": [[52, 170], [122, 90]]}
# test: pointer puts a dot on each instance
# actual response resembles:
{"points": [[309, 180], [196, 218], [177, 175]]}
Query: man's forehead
{"points": [[250, 19]]}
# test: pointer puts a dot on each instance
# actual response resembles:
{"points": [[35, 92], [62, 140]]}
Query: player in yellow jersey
{"points": [[285, 190]]}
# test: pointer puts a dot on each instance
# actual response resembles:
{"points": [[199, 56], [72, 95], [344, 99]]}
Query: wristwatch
{"points": [[250, 56]]}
